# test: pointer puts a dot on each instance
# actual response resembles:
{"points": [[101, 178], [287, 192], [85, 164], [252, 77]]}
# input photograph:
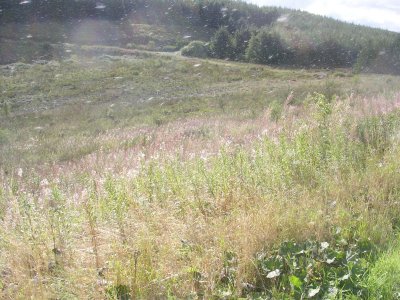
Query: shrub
{"points": [[266, 48], [196, 49], [222, 44], [241, 39]]}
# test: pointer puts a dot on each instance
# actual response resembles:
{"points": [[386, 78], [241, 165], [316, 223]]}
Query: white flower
{"points": [[313, 292], [274, 274], [324, 245]]}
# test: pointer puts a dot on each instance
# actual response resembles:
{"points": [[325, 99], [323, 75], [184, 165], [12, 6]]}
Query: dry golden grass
{"points": [[160, 215]]}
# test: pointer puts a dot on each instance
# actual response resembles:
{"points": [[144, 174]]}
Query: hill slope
{"points": [[165, 25], [139, 175]]}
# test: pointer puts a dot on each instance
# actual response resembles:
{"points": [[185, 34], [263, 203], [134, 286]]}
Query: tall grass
{"points": [[384, 280], [196, 227]]}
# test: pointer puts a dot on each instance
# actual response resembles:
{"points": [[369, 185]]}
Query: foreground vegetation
{"points": [[148, 176]]}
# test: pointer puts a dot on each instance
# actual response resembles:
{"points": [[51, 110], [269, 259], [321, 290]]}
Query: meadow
{"points": [[137, 175]]}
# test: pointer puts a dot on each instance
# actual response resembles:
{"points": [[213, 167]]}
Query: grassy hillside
{"points": [[146, 88], [318, 28], [39, 30], [131, 174]]}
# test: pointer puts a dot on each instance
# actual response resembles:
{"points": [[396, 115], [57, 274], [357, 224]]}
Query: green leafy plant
{"points": [[313, 269]]}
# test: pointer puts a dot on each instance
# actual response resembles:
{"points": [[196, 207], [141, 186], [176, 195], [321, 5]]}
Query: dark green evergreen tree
{"points": [[267, 48], [241, 40], [221, 44]]}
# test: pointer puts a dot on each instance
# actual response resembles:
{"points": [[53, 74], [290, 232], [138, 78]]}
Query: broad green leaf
{"points": [[295, 281]]}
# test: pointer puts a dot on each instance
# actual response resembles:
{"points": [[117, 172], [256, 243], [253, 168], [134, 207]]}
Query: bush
{"points": [[266, 48], [222, 44], [196, 49], [241, 39]]}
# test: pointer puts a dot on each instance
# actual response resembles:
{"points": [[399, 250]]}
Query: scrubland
{"points": [[153, 176]]}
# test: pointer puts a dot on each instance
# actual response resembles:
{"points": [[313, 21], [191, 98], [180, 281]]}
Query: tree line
{"points": [[208, 13], [265, 46], [240, 31], [269, 46]]}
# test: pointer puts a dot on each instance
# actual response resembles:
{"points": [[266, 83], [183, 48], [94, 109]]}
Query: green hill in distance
{"points": [[235, 30]]}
